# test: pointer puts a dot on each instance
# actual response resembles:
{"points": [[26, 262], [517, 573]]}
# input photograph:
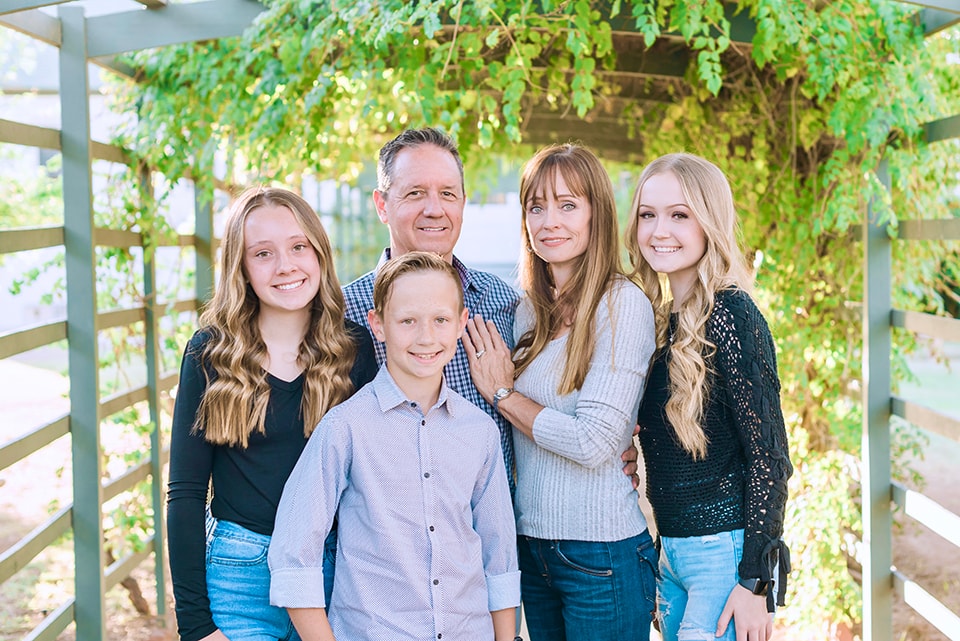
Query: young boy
{"points": [[415, 474]]}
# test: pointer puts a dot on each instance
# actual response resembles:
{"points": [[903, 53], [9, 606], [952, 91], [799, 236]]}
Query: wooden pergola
{"points": [[646, 73]]}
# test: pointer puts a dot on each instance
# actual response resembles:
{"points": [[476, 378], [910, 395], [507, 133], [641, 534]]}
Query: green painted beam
{"points": [[152, 317], [24, 445], [36, 24], [116, 33], [81, 327], [205, 246], [945, 128], [12, 6], [877, 515]]}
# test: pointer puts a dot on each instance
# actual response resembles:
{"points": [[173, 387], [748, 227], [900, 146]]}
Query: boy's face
{"points": [[422, 322]]}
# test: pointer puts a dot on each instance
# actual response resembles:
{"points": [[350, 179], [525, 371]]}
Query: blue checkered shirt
{"points": [[484, 294], [427, 545]]}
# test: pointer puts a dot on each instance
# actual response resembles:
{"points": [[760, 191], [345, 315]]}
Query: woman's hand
{"points": [[750, 617], [491, 366]]}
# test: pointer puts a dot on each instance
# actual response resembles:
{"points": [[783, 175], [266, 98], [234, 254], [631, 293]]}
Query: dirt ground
{"points": [[29, 488]]}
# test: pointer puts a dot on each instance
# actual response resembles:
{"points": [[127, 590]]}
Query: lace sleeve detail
{"points": [[746, 364]]}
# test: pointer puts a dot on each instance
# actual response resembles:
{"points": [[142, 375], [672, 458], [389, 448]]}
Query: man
{"points": [[420, 196]]}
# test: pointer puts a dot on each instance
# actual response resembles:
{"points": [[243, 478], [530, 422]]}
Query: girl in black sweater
{"points": [[711, 428]]}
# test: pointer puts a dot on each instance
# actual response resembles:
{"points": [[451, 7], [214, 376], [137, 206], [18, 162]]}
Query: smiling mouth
{"points": [[550, 242], [288, 286], [665, 250], [426, 357]]}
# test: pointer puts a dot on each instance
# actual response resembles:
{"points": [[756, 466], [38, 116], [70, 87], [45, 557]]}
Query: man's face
{"points": [[424, 205]]}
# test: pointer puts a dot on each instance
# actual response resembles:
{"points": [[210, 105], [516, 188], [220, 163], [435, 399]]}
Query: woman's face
{"points": [[558, 226], [670, 237]]}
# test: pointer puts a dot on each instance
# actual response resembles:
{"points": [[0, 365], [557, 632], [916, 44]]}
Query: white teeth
{"points": [[666, 250], [290, 285], [431, 229]]}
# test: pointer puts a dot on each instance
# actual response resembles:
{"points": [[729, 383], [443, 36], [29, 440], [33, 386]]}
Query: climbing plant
{"points": [[799, 118]]}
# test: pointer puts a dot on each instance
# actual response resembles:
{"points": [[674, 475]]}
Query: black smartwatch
{"points": [[756, 586]]}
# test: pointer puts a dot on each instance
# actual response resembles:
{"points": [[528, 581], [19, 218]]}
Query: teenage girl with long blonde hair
{"points": [[711, 428], [272, 355]]}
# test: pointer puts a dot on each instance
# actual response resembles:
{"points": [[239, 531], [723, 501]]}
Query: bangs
{"points": [[543, 181]]}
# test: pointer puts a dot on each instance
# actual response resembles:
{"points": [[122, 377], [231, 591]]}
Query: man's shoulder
{"points": [[466, 412], [362, 284]]}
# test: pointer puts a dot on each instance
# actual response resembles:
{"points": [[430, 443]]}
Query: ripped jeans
{"points": [[697, 574]]}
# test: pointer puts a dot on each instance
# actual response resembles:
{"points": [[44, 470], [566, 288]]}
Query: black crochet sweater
{"points": [[742, 481]]}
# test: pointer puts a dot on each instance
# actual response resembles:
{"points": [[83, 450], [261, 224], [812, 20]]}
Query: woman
{"points": [[711, 428], [584, 335], [272, 355]]}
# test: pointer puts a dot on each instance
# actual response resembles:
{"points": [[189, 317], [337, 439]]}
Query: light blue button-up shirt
{"points": [[427, 541]]}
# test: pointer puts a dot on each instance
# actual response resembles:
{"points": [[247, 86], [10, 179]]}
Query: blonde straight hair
{"points": [[708, 195], [234, 405], [594, 272]]}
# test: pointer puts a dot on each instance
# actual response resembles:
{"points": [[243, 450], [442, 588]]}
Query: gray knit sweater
{"points": [[570, 483]]}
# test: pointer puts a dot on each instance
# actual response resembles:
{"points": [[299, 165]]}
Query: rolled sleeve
{"points": [[503, 591], [297, 588]]}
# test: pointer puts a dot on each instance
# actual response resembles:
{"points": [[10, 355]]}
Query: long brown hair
{"points": [[234, 405], [594, 271], [708, 195]]}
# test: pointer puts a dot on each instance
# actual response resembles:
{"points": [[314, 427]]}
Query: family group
{"points": [[412, 455]]}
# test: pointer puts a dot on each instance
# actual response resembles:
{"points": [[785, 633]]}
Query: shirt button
{"points": [[423, 422], [440, 635], [431, 528], [436, 581], [426, 475]]}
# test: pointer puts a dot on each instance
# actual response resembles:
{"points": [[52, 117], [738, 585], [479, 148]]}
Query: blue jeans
{"points": [[588, 591], [238, 586], [697, 574]]}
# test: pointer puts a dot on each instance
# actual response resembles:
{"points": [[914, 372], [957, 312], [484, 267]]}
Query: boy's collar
{"points": [[389, 394]]}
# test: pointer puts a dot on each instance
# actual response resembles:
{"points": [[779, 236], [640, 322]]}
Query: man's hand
{"points": [[629, 458]]}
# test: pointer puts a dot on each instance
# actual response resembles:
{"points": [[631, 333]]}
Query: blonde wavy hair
{"points": [[708, 195], [595, 270], [234, 405]]}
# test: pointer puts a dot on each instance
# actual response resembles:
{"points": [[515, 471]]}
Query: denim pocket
{"points": [[581, 565], [235, 551]]}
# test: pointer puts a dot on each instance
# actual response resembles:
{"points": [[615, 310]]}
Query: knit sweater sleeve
{"points": [[746, 360], [607, 402]]}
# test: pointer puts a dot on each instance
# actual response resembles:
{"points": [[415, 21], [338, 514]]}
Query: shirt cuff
{"points": [[503, 591], [297, 588]]}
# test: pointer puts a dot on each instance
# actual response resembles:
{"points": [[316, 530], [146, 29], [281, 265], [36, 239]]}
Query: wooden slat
{"points": [[927, 324], [934, 21], [53, 624], [927, 605], [121, 569], [117, 402], [26, 549], [943, 129], [23, 446], [120, 318], [18, 133], [125, 481], [928, 512], [116, 33], [941, 229], [104, 237], [36, 24], [153, 4], [12, 6], [28, 238], [110, 153], [24, 340], [926, 418]]}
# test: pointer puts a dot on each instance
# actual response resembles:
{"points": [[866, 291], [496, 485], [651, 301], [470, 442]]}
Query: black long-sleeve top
{"points": [[742, 481], [247, 483]]}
